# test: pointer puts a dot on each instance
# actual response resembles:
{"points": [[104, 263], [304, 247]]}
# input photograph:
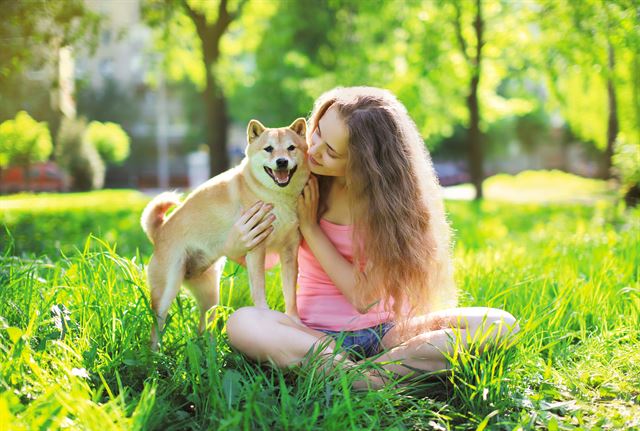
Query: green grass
{"points": [[45, 224], [542, 187], [74, 328]]}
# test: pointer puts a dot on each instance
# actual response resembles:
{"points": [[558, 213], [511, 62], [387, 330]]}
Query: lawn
{"points": [[74, 328]]}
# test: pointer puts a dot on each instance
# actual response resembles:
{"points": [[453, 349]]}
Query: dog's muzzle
{"points": [[281, 177]]}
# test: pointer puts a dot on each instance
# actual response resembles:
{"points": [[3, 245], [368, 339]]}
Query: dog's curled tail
{"points": [[153, 214]]}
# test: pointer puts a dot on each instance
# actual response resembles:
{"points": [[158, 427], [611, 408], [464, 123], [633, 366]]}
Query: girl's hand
{"points": [[253, 227], [308, 206]]}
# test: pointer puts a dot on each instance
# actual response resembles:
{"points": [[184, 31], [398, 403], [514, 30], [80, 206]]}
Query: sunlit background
{"points": [[493, 86], [533, 105]]}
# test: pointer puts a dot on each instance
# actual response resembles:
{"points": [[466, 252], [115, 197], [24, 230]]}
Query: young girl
{"points": [[375, 266]]}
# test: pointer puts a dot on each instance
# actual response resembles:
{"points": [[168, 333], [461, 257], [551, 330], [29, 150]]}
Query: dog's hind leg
{"points": [[165, 276], [206, 289]]}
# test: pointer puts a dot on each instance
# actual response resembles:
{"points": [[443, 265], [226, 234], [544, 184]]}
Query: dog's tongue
{"points": [[281, 175]]}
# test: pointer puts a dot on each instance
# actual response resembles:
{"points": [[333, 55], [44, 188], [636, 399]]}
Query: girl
{"points": [[375, 267]]}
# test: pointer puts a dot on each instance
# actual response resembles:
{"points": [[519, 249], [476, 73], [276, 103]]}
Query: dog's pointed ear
{"points": [[254, 130], [299, 127]]}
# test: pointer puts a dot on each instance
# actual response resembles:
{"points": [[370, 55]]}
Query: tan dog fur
{"points": [[189, 242]]}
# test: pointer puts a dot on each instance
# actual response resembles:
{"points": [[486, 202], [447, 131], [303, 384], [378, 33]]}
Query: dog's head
{"points": [[275, 155]]}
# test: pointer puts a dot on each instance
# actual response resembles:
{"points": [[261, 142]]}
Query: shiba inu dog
{"points": [[188, 244]]}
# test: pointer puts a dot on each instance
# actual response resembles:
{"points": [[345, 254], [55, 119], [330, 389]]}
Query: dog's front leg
{"points": [[255, 267], [289, 269]]}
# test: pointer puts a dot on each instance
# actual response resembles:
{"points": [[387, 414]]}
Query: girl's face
{"points": [[328, 147]]}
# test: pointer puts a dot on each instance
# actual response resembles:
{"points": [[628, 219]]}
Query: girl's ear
{"points": [[299, 127], [254, 130]]}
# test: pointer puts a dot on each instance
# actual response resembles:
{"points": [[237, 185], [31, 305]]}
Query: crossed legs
{"points": [[267, 335], [429, 339]]}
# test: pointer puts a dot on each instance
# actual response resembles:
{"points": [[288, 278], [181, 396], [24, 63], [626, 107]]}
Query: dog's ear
{"points": [[254, 130], [299, 127]]}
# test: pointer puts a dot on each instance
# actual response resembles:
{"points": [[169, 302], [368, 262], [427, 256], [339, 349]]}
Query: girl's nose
{"points": [[314, 151], [314, 139], [314, 147]]}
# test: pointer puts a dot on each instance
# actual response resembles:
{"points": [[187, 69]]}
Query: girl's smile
{"points": [[313, 161]]}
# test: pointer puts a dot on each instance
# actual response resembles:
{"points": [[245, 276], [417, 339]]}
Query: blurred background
{"points": [[156, 94]]}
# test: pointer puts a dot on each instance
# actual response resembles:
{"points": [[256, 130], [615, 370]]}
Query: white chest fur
{"points": [[285, 225]]}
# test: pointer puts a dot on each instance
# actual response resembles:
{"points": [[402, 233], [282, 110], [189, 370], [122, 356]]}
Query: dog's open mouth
{"points": [[281, 176]]}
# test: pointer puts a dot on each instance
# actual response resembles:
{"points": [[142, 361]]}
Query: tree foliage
{"points": [[109, 139], [577, 63], [204, 29], [276, 57], [31, 34], [32, 31]]}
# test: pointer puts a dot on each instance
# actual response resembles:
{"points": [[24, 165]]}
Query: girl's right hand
{"points": [[253, 227], [307, 207]]}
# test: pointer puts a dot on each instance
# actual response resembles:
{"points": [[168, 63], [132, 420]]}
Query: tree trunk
{"points": [[475, 143], [612, 124], [216, 127], [216, 121], [476, 153]]}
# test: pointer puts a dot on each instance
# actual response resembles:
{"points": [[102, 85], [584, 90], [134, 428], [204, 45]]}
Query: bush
{"points": [[24, 141], [626, 162], [111, 141], [78, 157]]}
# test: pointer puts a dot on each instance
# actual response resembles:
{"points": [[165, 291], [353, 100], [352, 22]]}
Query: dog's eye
{"points": [[269, 149], [291, 147]]}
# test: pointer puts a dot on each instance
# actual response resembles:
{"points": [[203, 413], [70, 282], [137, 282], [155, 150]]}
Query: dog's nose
{"points": [[282, 163]]}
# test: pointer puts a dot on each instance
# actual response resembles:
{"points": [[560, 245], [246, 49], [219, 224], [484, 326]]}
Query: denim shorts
{"points": [[362, 342]]}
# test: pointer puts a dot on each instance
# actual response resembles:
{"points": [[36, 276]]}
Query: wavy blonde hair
{"points": [[392, 187]]}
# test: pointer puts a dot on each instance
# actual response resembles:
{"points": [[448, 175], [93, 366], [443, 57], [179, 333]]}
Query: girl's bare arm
{"points": [[340, 270]]}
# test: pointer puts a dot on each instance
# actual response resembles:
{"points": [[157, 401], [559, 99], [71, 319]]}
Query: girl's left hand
{"points": [[308, 205]]}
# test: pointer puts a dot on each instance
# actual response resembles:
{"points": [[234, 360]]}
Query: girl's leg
{"points": [[427, 338], [268, 335]]}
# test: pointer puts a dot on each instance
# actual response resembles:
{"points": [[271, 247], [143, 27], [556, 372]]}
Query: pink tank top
{"points": [[320, 304]]}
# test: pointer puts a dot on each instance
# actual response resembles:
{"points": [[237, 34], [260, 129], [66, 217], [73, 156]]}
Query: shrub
{"points": [[111, 141], [626, 162], [78, 157], [24, 141]]}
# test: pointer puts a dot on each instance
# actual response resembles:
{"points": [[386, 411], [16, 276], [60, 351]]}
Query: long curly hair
{"points": [[402, 240]]}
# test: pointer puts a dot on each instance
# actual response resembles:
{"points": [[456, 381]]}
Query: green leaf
{"points": [[231, 386], [14, 334], [485, 421]]}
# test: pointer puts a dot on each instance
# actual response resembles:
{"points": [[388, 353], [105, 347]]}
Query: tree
{"points": [[211, 22], [32, 33], [293, 65], [109, 139], [447, 62], [593, 69], [474, 62], [24, 141], [33, 30]]}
